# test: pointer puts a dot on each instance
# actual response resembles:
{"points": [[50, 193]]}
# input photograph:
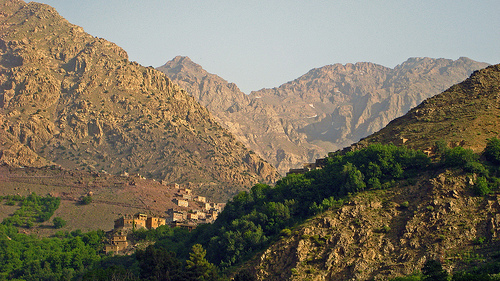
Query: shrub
{"points": [[441, 147], [475, 167], [286, 232], [433, 270], [459, 156], [59, 222], [86, 200], [383, 229], [492, 150], [481, 187], [405, 204], [479, 240]]}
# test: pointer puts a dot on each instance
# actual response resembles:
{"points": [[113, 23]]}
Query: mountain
{"points": [[69, 98], [326, 109]]}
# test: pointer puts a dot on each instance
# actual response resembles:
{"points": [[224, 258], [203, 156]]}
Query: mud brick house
{"points": [[130, 222], [181, 202], [154, 222], [118, 243]]}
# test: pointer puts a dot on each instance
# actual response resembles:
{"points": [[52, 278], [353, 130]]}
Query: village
{"points": [[191, 211]]}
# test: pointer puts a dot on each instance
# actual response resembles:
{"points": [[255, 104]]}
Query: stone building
{"points": [[154, 222], [173, 215], [181, 202], [200, 199], [192, 216], [118, 243], [131, 222]]}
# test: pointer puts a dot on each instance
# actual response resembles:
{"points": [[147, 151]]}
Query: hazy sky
{"points": [[263, 44]]}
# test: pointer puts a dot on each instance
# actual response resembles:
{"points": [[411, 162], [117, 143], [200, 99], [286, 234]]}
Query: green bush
{"points": [[481, 186], [458, 157], [86, 200], [59, 222], [434, 271], [475, 167], [286, 232], [492, 151], [405, 204]]}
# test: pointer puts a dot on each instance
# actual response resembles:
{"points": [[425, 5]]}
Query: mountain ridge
{"points": [[326, 109]]}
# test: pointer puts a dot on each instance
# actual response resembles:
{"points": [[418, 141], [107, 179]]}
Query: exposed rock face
{"points": [[376, 236], [324, 110], [78, 101]]}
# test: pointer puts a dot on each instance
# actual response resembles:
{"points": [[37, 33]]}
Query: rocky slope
{"points": [[326, 109], [387, 233], [76, 100]]}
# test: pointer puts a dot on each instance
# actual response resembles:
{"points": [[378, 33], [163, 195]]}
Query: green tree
{"points": [[492, 150], [433, 271], [353, 178], [198, 268], [159, 264], [59, 222]]}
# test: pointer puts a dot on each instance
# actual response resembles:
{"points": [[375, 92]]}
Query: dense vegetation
{"points": [[250, 222], [33, 209], [253, 219]]}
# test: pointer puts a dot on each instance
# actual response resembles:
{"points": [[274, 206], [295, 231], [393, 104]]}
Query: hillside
{"points": [[435, 215], [112, 196], [75, 100], [326, 109], [466, 114], [390, 233]]}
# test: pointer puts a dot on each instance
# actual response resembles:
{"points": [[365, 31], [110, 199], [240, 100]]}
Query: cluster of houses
{"points": [[202, 210], [192, 210]]}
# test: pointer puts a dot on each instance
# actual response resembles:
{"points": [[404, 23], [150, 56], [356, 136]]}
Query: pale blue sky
{"points": [[263, 44]]}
